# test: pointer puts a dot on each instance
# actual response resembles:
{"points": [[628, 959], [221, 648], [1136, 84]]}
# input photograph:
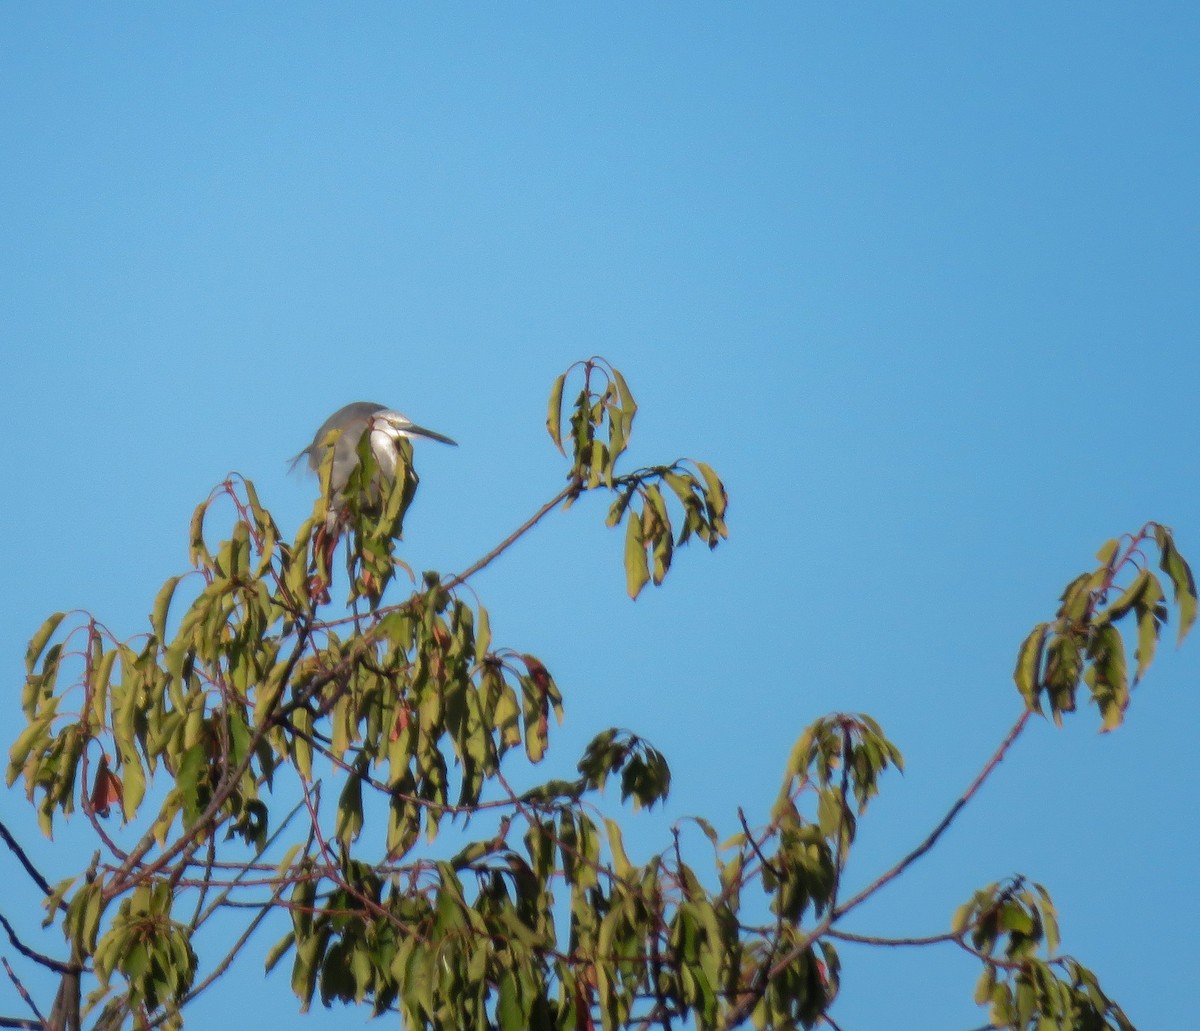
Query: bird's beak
{"points": [[408, 429]]}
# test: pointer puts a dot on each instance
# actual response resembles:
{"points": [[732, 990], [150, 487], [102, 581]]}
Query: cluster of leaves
{"points": [[242, 677], [1007, 926], [474, 940], [393, 728], [641, 496], [1084, 642]]}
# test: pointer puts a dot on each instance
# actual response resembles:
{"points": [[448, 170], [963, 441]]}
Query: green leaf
{"points": [[1149, 624], [198, 552], [615, 842], [510, 1013], [133, 786], [162, 603], [717, 498], [1173, 564], [637, 571], [1108, 552], [1029, 664], [483, 635], [36, 733], [38, 641], [628, 404], [93, 907], [350, 811], [101, 678], [554, 414], [1110, 687], [301, 742]]}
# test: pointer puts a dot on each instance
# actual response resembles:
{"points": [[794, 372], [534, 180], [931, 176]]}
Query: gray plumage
{"points": [[385, 425]]}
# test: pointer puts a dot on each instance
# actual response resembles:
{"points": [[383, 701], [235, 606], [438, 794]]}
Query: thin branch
{"points": [[874, 939], [742, 1011], [755, 846], [221, 901], [939, 830], [571, 490], [30, 869], [28, 953], [21, 989]]}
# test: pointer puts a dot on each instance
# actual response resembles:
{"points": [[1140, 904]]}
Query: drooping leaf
{"points": [[1029, 664], [38, 642], [554, 414], [1173, 564], [637, 570]]}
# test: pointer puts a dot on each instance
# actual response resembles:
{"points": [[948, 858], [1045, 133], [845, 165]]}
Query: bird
{"points": [[386, 426]]}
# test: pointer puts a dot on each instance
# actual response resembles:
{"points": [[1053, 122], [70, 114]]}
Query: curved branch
{"points": [[28, 953]]}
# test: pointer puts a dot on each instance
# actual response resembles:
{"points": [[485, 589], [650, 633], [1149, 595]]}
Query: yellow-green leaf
{"points": [[38, 641], [554, 414], [637, 571]]}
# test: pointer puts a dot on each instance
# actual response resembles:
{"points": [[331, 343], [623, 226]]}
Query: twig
{"points": [[28, 953], [30, 869], [945, 822], [569, 491], [21, 989]]}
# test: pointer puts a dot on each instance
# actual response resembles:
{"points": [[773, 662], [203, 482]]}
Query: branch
{"points": [[21, 990], [571, 490], [30, 869], [28, 953], [742, 1010], [874, 939], [946, 820]]}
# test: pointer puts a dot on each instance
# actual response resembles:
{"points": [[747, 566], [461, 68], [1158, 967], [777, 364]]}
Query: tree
{"points": [[261, 751]]}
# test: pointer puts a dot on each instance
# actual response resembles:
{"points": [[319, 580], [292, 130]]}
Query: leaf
{"points": [[637, 571], [718, 499], [162, 603], [1132, 596], [1029, 664], [621, 416], [709, 830], [198, 553], [482, 633], [1110, 687], [93, 906], [1173, 564], [38, 641], [1108, 552], [100, 680], [1149, 625], [36, 734], [628, 404], [615, 842], [106, 788], [554, 414], [350, 811], [134, 787], [534, 707], [302, 750]]}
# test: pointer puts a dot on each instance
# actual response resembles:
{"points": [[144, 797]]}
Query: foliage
{"points": [[266, 752]]}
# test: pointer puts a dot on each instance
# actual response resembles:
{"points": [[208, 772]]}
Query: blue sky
{"points": [[918, 280]]}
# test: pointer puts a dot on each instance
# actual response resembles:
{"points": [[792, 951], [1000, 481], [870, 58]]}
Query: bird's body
{"points": [[385, 425]]}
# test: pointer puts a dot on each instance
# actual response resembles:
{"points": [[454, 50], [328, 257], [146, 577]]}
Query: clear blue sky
{"points": [[919, 280]]}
